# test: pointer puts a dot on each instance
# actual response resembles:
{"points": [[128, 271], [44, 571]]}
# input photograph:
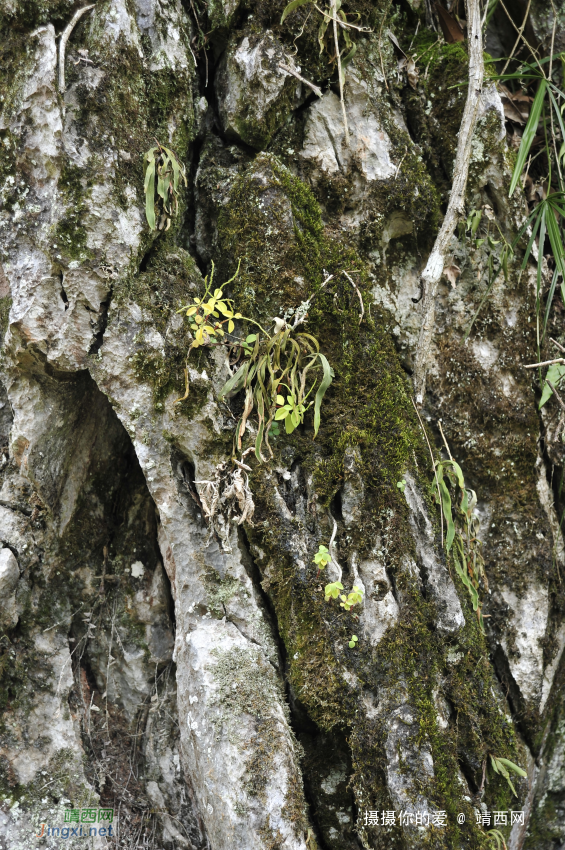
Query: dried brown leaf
{"points": [[452, 272], [450, 28], [412, 73]]}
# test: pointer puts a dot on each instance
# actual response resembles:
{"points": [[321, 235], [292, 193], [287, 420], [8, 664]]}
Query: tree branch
{"points": [[306, 82], [434, 268], [65, 35]]}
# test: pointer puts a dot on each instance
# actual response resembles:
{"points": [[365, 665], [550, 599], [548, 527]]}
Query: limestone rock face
{"points": [[325, 135], [9, 576], [160, 654], [255, 95]]}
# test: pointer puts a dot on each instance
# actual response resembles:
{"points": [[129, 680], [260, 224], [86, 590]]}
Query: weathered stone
{"points": [[9, 577], [255, 95]]}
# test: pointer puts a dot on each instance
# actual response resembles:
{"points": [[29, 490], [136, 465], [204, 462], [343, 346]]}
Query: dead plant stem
{"points": [[432, 273]]}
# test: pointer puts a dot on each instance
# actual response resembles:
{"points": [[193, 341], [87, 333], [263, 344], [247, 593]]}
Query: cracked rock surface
{"points": [[159, 657]]}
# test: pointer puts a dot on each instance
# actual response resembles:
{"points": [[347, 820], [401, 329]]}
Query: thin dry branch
{"points": [[65, 35], [356, 288], [519, 36], [557, 396], [434, 467], [333, 12], [302, 79], [545, 363], [431, 275]]}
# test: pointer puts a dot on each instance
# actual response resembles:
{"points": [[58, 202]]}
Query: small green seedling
{"points": [[331, 590], [204, 315], [353, 641], [353, 598], [291, 411], [401, 485], [501, 766], [322, 557], [275, 430], [473, 221]]}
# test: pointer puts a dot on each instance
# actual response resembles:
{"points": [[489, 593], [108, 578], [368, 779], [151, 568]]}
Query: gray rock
{"points": [[9, 577], [255, 96], [370, 146], [438, 581]]}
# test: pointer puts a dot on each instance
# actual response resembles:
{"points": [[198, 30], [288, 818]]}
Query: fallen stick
{"points": [[65, 35], [433, 271]]}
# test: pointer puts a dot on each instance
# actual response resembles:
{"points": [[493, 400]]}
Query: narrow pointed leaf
{"points": [[292, 6], [328, 374], [528, 135]]}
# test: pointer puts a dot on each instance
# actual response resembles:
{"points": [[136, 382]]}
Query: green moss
{"points": [[171, 279], [69, 235], [435, 109], [272, 222], [219, 591], [29, 14]]}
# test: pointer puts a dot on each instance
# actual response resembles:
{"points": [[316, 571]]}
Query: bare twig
{"points": [[556, 394], [444, 440], [356, 288], [65, 35], [294, 73], [203, 40], [331, 547], [545, 363], [520, 31], [333, 12], [385, 13], [558, 344], [481, 789], [432, 273]]}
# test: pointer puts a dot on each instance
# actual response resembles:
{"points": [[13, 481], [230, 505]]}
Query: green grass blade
{"points": [[555, 241], [549, 302], [528, 136], [446, 506], [557, 111]]}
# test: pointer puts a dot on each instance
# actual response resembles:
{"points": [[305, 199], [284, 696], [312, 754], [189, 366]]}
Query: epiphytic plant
{"points": [[278, 371], [332, 591], [283, 361], [204, 313], [162, 175], [462, 530], [496, 839], [322, 557], [502, 766]]}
